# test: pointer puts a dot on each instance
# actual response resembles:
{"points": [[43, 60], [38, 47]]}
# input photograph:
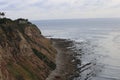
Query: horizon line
{"points": [[75, 18]]}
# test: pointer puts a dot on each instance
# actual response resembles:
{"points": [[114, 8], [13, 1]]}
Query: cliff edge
{"points": [[25, 54]]}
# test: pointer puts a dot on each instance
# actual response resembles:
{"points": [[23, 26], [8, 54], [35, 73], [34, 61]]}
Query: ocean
{"points": [[98, 39]]}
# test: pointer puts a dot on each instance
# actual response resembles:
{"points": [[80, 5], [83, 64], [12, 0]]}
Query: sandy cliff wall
{"points": [[24, 53]]}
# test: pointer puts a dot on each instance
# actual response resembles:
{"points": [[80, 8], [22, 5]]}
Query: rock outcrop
{"points": [[25, 54]]}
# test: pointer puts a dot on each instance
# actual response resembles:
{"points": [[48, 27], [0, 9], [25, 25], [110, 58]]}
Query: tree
{"points": [[2, 14]]}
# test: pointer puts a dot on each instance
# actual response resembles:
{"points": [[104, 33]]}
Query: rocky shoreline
{"points": [[65, 61]]}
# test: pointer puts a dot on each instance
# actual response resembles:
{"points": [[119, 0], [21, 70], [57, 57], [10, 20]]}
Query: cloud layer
{"points": [[60, 9]]}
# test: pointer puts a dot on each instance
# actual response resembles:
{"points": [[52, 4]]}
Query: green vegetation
{"points": [[5, 20], [19, 24], [15, 72], [31, 74], [2, 14], [21, 72], [45, 59]]}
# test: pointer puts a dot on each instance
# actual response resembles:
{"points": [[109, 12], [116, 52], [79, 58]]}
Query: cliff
{"points": [[25, 54]]}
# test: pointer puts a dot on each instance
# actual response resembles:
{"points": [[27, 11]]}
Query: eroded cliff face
{"points": [[24, 53]]}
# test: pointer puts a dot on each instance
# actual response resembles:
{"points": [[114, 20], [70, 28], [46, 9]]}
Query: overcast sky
{"points": [[60, 9]]}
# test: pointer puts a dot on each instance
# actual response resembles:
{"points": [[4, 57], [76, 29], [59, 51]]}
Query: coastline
{"points": [[65, 61]]}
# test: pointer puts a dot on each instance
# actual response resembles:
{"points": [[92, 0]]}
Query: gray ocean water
{"points": [[99, 40]]}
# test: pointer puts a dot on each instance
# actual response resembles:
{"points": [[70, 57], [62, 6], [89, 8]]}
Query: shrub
{"points": [[41, 56]]}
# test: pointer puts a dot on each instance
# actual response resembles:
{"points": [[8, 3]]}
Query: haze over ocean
{"points": [[100, 40]]}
